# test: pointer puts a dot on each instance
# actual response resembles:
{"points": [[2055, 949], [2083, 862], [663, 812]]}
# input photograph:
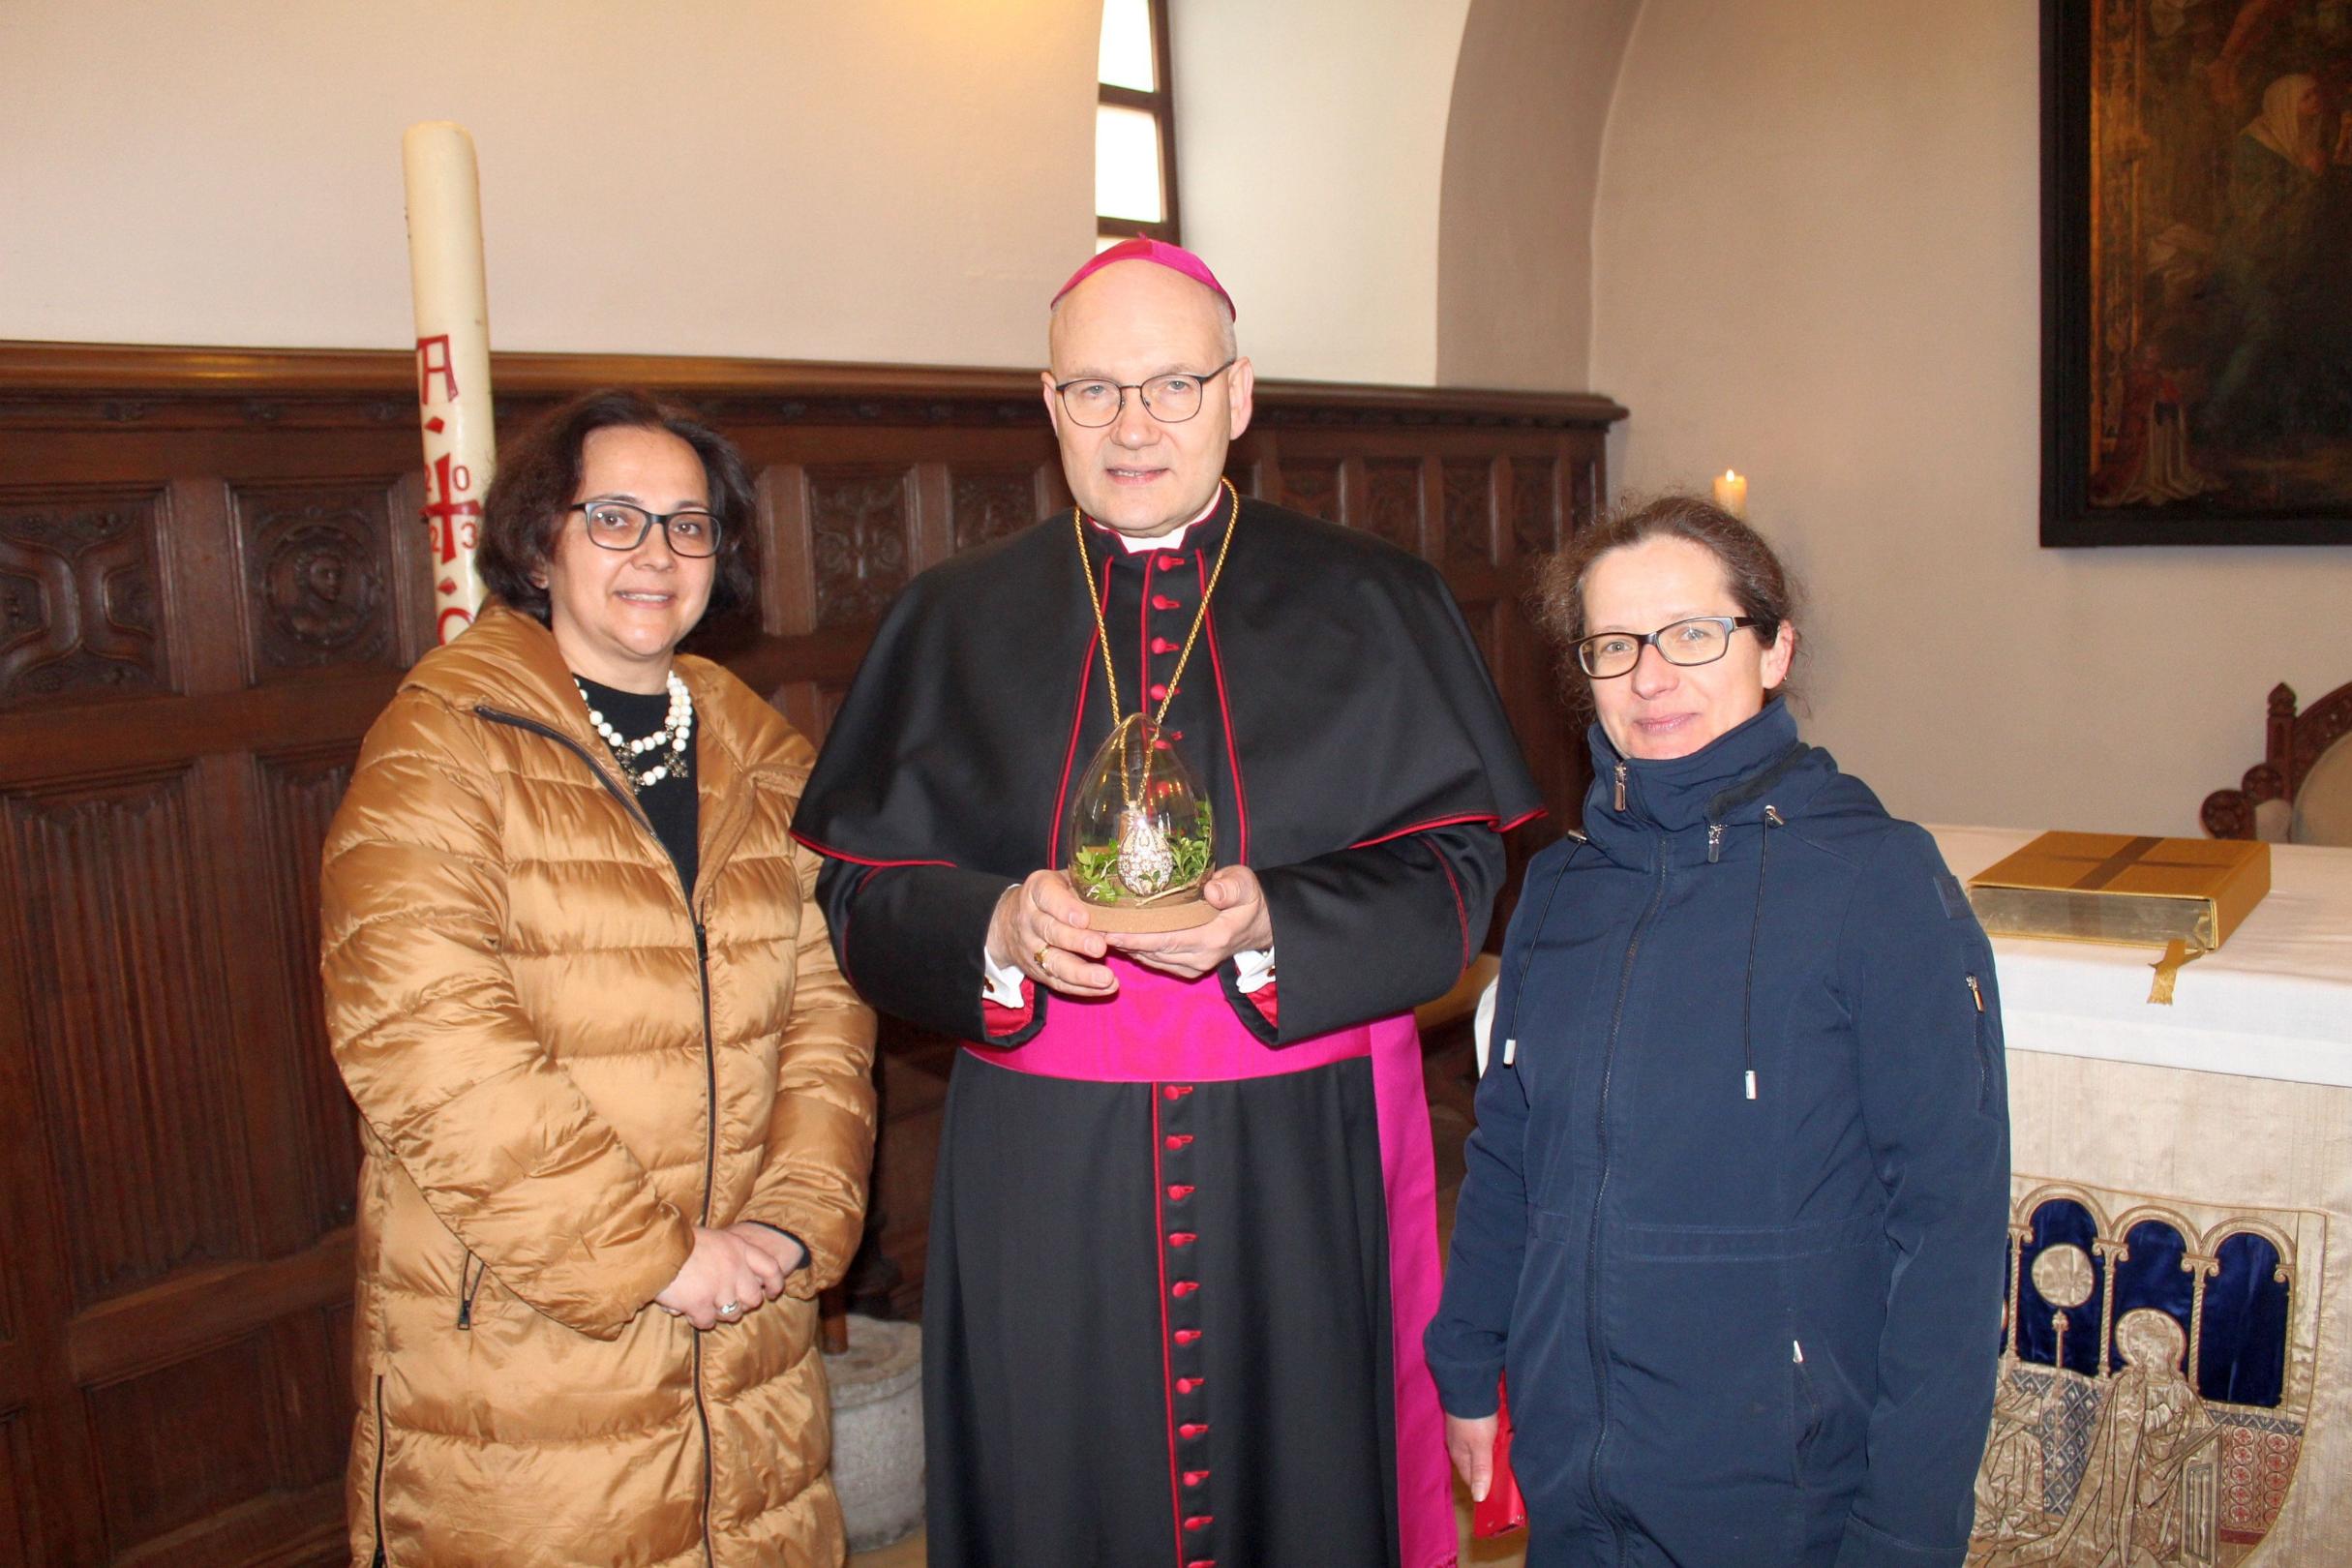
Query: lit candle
{"points": [[1732, 492], [452, 300]]}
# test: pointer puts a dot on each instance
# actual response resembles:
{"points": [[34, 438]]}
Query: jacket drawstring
{"points": [[1747, 992]]}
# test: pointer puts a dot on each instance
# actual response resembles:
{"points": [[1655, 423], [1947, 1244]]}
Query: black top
{"points": [[668, 806], [1336, 709]]}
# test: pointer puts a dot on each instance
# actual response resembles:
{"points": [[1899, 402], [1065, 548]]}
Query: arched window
{"points": [[1135, 126]]}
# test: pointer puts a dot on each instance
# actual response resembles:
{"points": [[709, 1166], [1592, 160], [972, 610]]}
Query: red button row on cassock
{"points": [[1181, 1290]]}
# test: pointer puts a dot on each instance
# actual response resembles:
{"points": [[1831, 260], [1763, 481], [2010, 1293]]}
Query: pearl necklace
{"points": [[669, 741]]}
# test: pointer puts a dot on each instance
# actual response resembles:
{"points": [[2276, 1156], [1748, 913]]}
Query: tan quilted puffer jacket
{"points": [[563, 1066]]}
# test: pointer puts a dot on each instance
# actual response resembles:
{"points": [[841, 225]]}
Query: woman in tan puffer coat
{"points": [[617, 1098]]}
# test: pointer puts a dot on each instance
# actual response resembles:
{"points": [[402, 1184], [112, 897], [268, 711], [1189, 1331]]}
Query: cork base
{"points": [[1177, 914]]}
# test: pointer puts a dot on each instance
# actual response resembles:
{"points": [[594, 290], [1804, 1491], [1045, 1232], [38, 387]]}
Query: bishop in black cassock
{"points": [[1183, 1242]]}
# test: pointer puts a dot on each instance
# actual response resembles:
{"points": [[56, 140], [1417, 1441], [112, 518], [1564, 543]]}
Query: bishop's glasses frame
{"points": [[1588, 647], [645, 522], [1143, 395]]}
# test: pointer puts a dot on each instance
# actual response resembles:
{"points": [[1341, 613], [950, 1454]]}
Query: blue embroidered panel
{"points": [[2152, 1277], [2243, 1359], [2059, 1221]]}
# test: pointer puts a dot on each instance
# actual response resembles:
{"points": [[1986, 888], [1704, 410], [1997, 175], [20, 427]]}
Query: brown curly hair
{"points": [[1760, 584], [539, 471]]}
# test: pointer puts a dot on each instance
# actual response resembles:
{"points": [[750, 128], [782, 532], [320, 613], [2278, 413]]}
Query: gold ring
{"points": [[1041, 959]]}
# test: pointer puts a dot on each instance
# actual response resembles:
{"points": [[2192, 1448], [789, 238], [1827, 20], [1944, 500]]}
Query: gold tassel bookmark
{"points": [[2177, 955]]}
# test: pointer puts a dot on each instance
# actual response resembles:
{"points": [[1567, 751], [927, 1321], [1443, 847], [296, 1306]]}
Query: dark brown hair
{"points": [[539, 473], [1760, 584]]}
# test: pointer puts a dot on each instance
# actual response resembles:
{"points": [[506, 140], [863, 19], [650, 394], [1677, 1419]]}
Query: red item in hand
{"points": [[1504, 1510]]}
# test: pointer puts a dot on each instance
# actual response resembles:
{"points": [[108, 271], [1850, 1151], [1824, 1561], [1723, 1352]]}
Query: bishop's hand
{"points": [[1243, 924], [1039, 927]]}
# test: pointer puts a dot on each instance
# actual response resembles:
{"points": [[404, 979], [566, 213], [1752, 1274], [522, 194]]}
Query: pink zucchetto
{"points": [[1174, 257]]}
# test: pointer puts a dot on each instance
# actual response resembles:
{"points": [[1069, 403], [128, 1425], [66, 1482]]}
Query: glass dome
{"points": [[1140, 828]]}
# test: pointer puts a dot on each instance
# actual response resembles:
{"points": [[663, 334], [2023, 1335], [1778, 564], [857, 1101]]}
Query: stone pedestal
{"points": [[877, 1393]]}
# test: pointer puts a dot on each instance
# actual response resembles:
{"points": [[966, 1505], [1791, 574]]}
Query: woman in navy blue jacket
{"points": [[1736, 1204]]}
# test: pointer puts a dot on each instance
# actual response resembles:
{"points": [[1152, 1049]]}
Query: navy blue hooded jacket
{"points": [[1736, 1207]]}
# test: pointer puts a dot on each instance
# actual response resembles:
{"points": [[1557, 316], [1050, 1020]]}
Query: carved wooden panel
{"points": [[1312, 487], [1392, 500], [185, 1442], [126, 1001], [318, 575], [1469, 511], [298, 797], [78, 595], [858, 522], [990, 503], [1535, 528]]}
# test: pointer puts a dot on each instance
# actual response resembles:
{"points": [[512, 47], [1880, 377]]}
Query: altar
{"points": [[2177, 1342]]}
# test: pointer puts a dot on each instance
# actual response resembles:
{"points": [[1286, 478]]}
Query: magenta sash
{"points": [[1163, 1030]]}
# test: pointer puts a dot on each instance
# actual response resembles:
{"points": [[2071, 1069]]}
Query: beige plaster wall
{"points": [[890, 179], [1311, 139], [1523, 156], [1816, 259]]}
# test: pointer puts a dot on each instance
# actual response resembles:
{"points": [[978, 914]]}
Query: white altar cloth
{"points": [[2275, 1001]]}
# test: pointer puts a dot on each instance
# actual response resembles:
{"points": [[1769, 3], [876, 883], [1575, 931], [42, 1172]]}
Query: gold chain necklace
{"points": [[1111, 675]]}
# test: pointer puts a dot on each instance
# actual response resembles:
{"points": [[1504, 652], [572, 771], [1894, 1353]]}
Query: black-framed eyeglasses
{"points": [[613, 524], [1699, 639], [1171, 399]]}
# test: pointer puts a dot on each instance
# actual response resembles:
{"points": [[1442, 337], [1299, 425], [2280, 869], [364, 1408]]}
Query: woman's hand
{"points": [[786, 1251], [723, 1278], [1472, 1445], [1041, 927]]}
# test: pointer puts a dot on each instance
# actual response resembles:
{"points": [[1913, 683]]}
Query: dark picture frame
{"points": [[2196, 190]]}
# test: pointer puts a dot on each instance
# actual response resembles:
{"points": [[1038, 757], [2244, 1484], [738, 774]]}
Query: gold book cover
{"points": [[2116, 888]]}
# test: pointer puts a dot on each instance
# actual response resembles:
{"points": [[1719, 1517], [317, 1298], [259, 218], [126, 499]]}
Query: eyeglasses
{"points": [[1171, 399], [620, 525], [1699, 639]]}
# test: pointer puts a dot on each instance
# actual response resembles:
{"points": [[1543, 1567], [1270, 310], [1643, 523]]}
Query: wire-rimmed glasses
{"points": [[613, 524], [1171, 399], [1699, 639]]}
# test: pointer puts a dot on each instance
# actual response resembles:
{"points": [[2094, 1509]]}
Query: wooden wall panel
{"points": [[211, 574], [184, 1444], [298, 796], [128, 1030], [20, 1545]]}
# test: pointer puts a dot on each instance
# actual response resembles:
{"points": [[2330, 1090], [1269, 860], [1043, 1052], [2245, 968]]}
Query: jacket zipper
{"points": [[702, 971], [1620, 786], [382, 1557], [1592, 1233], [1984, 1075], [469, 1285]]}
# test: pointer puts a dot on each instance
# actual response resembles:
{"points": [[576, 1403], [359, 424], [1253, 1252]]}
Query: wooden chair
{"points": [[2300, 792]]}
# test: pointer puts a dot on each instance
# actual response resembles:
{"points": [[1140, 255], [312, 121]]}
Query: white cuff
{"points": [[1003, 984], [1252, 970]]}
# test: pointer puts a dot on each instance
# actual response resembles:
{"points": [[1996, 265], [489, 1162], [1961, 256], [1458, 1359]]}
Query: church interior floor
{"points": [[1450, 1080]]}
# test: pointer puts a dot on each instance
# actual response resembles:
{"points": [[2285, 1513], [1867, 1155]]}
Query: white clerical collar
{"points": [[1135, 545]]}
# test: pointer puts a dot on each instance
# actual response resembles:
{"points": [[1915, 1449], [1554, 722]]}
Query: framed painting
{"points": [[2196, 272]]}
